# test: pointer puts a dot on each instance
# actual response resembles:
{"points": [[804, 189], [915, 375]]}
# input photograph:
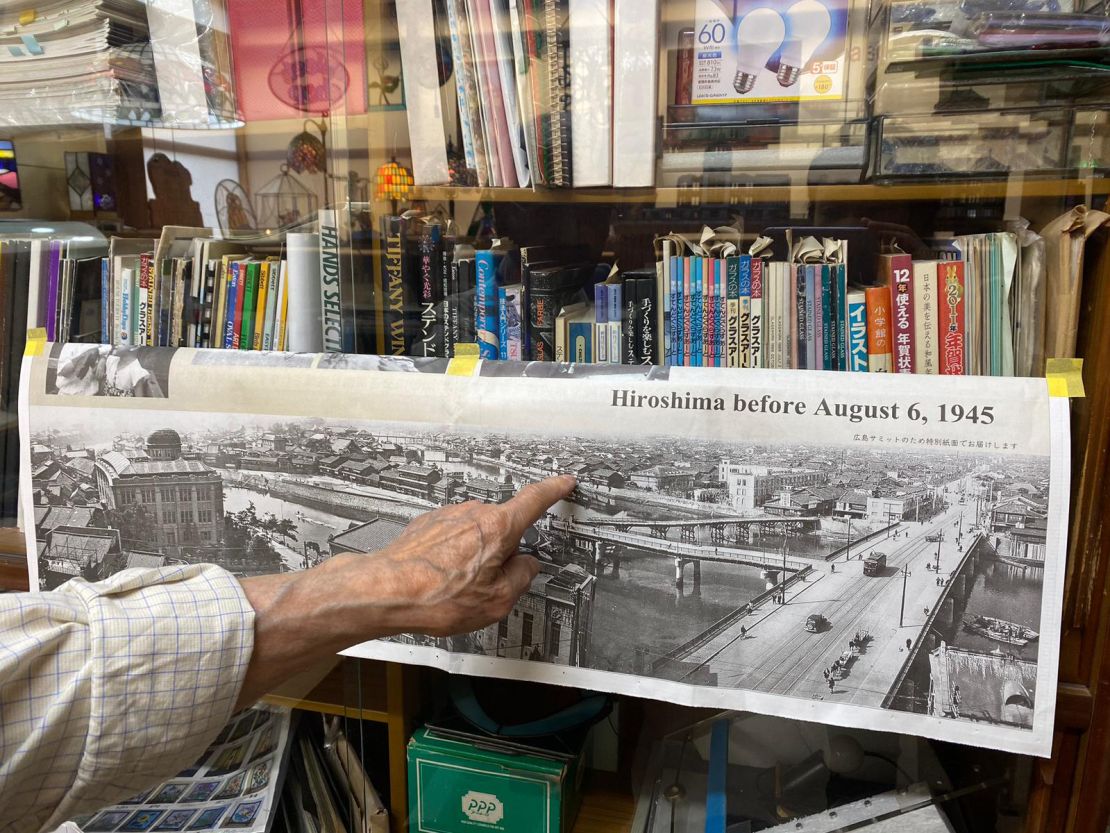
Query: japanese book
{"points": [[304, 312], [841, 315], [485, 304], [697, 302], [744, 311], [951, 337], [712, 275], [430, 343], [663, 303], [647, 334], [416, 29], [856, 314], [770, 314], [896, 271], [720, 310], [466, 294], [926, 350], [630, 304], [601, 322], [591, 99], [879, 358], [614, 297], [732, 307], [757, 321], [800, 344], [635, 83], [142, 308], [687, 268]]}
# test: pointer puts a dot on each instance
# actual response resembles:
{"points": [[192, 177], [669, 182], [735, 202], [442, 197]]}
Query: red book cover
{"points": [[309, 58], [950, 317], [878, 329], [896, 270]]}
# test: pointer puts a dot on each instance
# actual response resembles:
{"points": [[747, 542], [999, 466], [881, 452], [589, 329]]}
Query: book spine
{"points": [[757, 326], [601, 322], [431, 340], [950, 318], [696, 325], [580, 334], [857, 332], [259, 334], [841, 316], [281, 305], [105, 300], [709, 329], [502, 324], [514, 331], [676, 311], [52, 290], [687, 310], [744, 308], [227, 325], [126, 279], [813, 309], [331, 321], [722, 313], [732, 310], [827, 346], [245, 325], [486, 304], [304, 331], [663, 304], [879, 358], [445, 268], [629, 318], [899, 276], [801, 327], [614, 306], [466, 302], [142, 336], [273, 305], [925, 317], [393, 289], [647, 336]]}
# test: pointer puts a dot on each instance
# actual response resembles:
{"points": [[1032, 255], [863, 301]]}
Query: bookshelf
{"points": [[1070, 793], [1089, 189]]}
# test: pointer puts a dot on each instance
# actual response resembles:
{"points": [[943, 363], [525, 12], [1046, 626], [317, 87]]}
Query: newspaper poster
{"points": [[879, 551]]}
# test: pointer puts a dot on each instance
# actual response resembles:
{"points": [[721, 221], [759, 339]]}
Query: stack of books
{"points": [[548, 93]]}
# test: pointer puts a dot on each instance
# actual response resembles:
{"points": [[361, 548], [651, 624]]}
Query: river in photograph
{"points": [[1004, 591]]}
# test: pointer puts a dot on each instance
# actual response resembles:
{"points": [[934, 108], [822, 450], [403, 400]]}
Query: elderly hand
{"points": [[453, 570]]}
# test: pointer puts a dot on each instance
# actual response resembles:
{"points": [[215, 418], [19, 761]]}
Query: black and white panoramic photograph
{"points": [[897, 579]]}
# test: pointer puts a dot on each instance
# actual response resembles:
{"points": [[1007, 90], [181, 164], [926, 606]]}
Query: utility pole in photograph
{"points": [[848, 546], [938, 553], [902, 610]]}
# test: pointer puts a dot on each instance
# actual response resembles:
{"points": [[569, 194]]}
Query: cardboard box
{"points": [[462, 783]]}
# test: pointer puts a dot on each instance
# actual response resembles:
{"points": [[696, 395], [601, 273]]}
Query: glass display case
{"points": [[424, 178]]}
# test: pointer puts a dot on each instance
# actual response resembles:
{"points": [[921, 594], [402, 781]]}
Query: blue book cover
{"points": [[744, 311], [485, 302], [812, 356], [680, 312], [827, 347], [232, 298], [502, 324], [696, 313], [674, 322], [601, 322], [857, 332], [841, 316], [580, 335], [720, 313], [105, 302]]}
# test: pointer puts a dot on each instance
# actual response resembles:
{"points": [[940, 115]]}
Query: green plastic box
{"points": [[462, 783]]}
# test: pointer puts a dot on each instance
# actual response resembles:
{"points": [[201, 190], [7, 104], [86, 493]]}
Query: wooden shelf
{"points": [[666, 196], [605, 811], [337, 689]]}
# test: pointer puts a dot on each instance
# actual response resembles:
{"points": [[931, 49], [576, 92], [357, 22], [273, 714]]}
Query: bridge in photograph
{"points": [[874, 624], [604, 540]]}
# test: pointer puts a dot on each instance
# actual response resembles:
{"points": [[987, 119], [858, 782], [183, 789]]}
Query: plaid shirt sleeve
{"points": [[107, 688]]}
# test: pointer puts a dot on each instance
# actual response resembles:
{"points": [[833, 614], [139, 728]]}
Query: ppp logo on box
{"points": [[483, 807]]}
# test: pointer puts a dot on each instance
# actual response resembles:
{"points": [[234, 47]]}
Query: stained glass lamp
{"points": [[392, 182]]}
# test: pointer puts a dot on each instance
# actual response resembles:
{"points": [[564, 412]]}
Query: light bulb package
{"points": [[762, 51]]}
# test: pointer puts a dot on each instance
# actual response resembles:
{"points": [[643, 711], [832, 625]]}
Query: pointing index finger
{"points": [[528, 505]]}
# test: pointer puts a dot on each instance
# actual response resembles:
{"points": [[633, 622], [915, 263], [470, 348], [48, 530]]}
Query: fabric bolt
{"points": [[107, 688]]}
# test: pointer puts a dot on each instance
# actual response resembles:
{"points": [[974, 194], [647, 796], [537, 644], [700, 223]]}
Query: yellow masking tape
{"points": [[465, 361], [1065, 378], [36, 341], [27, 17]]}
